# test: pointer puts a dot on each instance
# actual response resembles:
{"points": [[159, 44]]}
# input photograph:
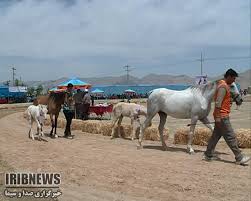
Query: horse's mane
{"points": [[57, 98], [201, 88]]}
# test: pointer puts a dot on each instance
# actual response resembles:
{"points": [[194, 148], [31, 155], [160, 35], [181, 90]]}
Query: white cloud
{"points": [[140, 31]]}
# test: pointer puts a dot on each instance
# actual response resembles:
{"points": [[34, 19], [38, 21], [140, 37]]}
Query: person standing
{"points": [[86, 104], [222, 123], [92, 100], [78, 103], [68, 110]]}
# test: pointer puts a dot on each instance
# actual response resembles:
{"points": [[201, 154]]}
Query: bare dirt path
{"points": [[94, 167]]}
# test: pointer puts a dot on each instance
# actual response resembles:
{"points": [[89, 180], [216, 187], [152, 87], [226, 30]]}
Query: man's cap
{"points": [[69, 85]]}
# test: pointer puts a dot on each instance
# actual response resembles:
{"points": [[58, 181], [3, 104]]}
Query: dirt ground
{"points": [[94, 167]]}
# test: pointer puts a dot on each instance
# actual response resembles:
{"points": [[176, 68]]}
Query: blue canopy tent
{"points": [[129, 91], [77, 84], [98, 93], [56, 90]]}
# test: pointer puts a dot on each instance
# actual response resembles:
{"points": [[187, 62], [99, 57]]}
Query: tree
{"points": [[39, 90], [7, 83], [30, 91], [17, 82]]}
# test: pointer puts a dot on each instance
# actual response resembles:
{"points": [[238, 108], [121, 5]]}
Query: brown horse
{"points": [[54, 102]]}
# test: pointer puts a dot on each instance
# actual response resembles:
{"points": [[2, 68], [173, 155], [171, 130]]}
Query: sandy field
{"points": [[95, 168]]}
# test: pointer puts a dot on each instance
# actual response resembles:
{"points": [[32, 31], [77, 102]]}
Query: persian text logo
{"points": [[39, 185], [32, 180]]}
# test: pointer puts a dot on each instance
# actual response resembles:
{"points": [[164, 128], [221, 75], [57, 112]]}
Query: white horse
{"points": [[193, 103], [38, 114], [131, 110]]}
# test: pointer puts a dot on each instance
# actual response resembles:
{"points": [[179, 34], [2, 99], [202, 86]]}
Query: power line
{"points": [[201, 63], [210, 59], [249, 37], [203, 59], [127, 69], [228, 58]]}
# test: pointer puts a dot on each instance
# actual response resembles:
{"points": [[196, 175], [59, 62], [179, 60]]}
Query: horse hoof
{"points": [[139, 147], [191, 151], [165, 148], [56, 136]]}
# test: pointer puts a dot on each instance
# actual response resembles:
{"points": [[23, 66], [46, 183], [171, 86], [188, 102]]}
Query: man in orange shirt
{"points": [[222, 124]]}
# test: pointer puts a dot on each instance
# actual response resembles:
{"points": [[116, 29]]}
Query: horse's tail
{"points": [[26, 114]]}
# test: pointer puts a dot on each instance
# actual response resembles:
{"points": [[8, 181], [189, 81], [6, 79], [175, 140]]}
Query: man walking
{"points": [[68, 110], [222, 124]]}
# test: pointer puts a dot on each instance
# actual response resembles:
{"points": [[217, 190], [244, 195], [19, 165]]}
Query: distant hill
{"points": [[166, 79], [244, 80]]}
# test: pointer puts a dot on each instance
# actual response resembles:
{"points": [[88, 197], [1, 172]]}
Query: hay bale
{"points": [[243, 137], [106, 128], [91, 126], [77, 124], [61, 123], [47, 122], [201, 136], [152, 133]]}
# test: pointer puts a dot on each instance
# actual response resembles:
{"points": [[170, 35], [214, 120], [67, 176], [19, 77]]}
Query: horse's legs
{"points": [[206, 122], [56, 123], [162, 116], [38, 129], [52, 124], [191, 133], [42, 133], [30, 131], [113, 126], [133, 128], [146, 123], [119, 125]]}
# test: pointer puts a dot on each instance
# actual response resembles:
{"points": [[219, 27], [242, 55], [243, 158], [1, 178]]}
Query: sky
{"points": [[50, 39]]}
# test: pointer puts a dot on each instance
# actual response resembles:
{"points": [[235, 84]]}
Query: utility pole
{"points": [[250, 35], [13, 75], [201, 64], [127, 69]]}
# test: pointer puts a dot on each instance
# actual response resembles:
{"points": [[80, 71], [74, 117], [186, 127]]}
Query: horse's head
{"points": [[142, 111], [211, 85], [209, 89], [235, 94], [43, 113]]}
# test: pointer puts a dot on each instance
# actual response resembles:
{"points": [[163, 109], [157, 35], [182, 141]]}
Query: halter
{"points": [[235, 98]]}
